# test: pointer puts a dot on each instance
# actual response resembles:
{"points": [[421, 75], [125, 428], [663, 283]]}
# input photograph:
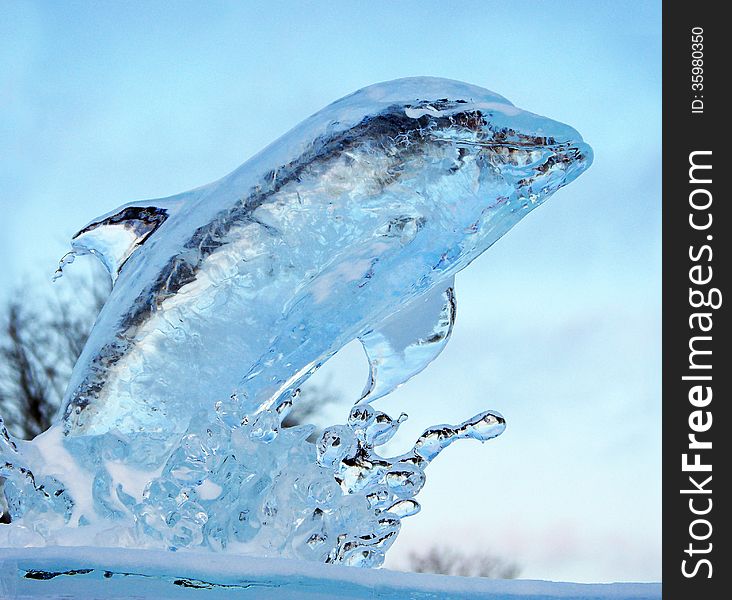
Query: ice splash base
{"points": [[226, 485]]}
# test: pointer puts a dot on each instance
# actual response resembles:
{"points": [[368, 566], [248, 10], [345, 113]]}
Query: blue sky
{"points": [[558, 324]]}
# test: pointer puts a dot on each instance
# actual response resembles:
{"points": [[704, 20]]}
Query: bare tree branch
{"points": [[448, 561], [39, 345]]}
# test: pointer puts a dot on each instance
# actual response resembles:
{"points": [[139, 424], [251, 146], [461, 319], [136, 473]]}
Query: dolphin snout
{"points": [[572, 152], [554, 154], [580, 157], [563, 163]]}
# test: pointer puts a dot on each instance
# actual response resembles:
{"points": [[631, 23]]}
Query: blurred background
{"points": [[558, 327]]}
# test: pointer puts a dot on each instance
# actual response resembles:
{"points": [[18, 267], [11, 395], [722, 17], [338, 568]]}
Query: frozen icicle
{"points": [[66, 259]]}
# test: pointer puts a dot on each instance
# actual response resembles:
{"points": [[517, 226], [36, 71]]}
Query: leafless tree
{"points": [[40, 340], [448, 561], [310, 404]]}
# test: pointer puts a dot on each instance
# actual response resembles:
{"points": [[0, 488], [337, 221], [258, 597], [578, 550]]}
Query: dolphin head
{"points": [[511, 161], [528, 155], [481, 163]]}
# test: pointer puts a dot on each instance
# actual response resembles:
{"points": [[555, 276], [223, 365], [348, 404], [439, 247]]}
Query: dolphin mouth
{"points": [[558, 165], [537, 166]]}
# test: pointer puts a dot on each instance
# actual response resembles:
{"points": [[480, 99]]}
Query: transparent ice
{"points": [[228, 297]]}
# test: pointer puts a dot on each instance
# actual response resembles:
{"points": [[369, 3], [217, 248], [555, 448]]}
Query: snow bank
{"points": [[64, 572]]}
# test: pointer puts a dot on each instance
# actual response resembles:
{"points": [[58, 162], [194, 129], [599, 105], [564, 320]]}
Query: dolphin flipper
{"points": [[406, 342]]}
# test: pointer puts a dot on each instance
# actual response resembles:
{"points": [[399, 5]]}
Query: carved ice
{"points": [[228, 297]]}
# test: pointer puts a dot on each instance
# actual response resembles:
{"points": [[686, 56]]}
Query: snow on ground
{"points": [[111, 573]]}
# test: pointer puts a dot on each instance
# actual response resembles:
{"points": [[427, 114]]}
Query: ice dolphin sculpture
{"points": [[352, 225]]}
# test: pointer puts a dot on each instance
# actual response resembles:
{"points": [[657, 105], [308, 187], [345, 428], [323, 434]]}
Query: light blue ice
{"points": [[228, 297]]}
